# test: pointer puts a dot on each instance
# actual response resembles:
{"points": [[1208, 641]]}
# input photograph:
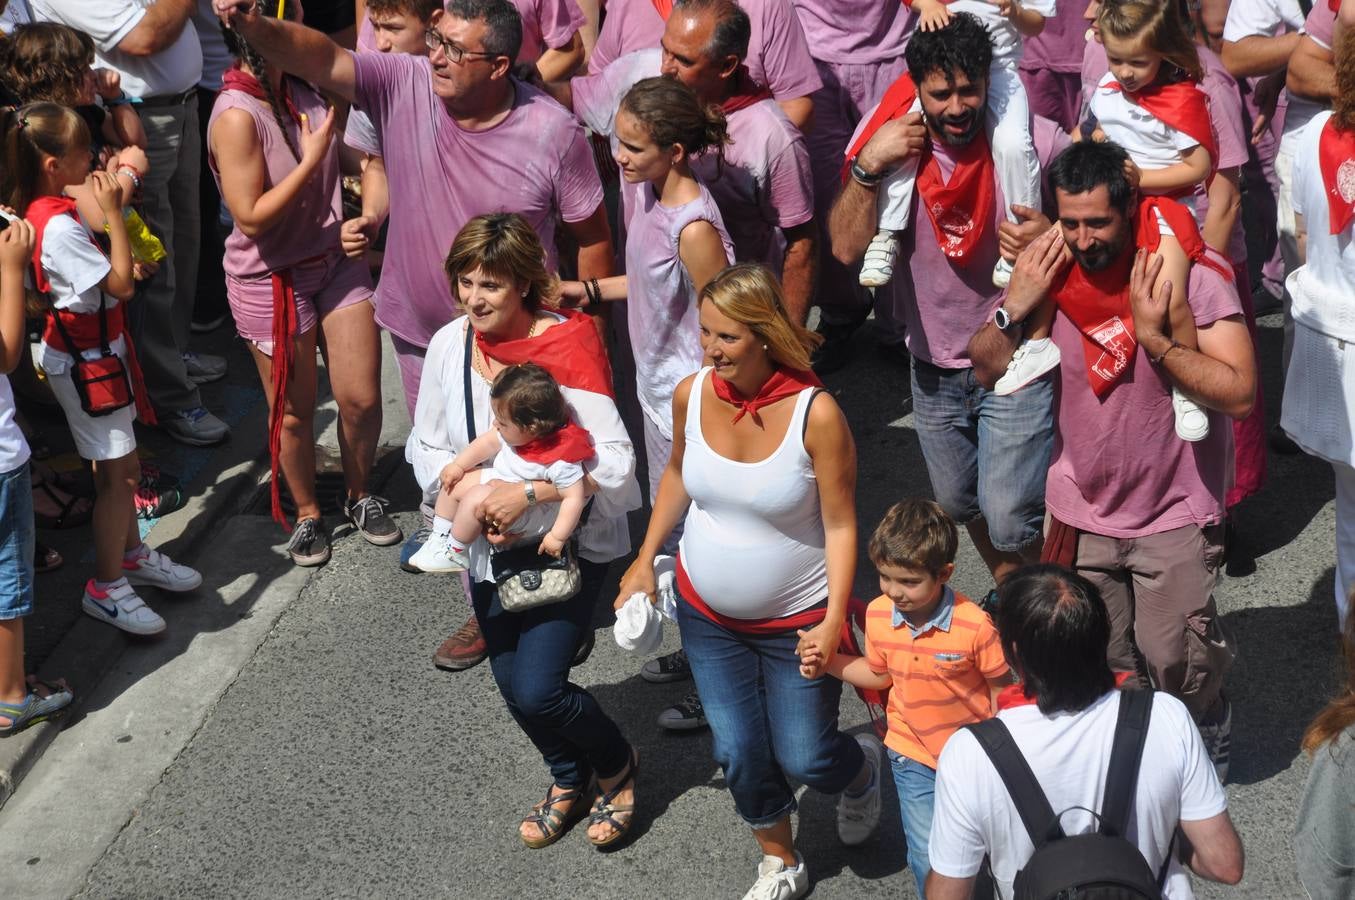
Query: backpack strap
{"points": [[1031, 803], [1131, 731]]}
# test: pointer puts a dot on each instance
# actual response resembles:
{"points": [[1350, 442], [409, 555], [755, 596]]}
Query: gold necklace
{"points": [[479, 361]]}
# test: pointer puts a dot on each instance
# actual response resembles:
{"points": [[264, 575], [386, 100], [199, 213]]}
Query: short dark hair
{"points": [[1086, 165], [1055, 630], [962, 46], [420, 9], [503, 24], [531, 398], [915, 534], [733, 30]]}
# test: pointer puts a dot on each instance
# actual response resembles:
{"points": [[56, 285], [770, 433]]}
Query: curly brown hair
{"points": [[1343, 104], [47, 61]]}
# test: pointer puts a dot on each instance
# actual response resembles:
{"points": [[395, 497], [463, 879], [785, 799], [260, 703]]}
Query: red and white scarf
{"points": [[571, 352], [1336, 159], [1183, 106], [783, 383], [569, 444]]}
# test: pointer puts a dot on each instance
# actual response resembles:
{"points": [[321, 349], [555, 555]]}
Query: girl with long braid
{"points": [[271, 149]]}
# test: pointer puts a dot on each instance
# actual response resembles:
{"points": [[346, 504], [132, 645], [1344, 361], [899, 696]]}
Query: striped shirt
{"points": [[940, 672]]}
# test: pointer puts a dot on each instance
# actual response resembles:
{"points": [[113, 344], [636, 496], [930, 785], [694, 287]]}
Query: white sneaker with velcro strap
{"points": [[120, 607]]}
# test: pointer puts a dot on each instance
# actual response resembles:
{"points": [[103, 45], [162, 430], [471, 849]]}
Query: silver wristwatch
{"points": [[1003, 319], [531, 493]]}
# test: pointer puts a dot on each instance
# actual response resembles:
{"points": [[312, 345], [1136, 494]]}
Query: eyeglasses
{"points": [[434, 40]]}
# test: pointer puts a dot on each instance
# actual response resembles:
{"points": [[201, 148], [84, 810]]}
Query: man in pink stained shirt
{"points": [[777, 56], [858, 49], [1135, 509]]}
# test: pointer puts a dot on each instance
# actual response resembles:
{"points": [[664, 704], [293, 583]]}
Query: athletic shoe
{"points": [[368, 515], [196, 427], [1192, 424], [877, 268], [1218, 739], [153, 502], [463, 648], [120, 607], [1002, 273], [153, 477], [777, 882], [158, 570], [858, 816], [438, 557], [204, 368], [309, 545], [413, 544], [673, 667], [1031, 360], [686, 715]]}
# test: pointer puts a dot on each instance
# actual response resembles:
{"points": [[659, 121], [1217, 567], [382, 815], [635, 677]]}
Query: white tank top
{"points": [[753, 543]]}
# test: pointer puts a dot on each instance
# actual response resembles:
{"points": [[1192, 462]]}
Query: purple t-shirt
{"points": [[1059, 46], [1118, 468], [535, 162], [855, 32], [1225, 113], [777, 53], [941, 303], [765, 183], [547, 24]]}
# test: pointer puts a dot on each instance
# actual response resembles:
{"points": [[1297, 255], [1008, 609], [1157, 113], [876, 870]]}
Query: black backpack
{"points": [[1099, 865]]}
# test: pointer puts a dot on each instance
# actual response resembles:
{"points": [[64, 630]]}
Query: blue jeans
{"points": [[987, 456], [916, 787], [769, 722], [17, 536], [530, 654]]}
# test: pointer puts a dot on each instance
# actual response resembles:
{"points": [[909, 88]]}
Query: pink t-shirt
{"points": [[1058, 47], [778, 55], [547, 24], [535, 162], [1225, 113], [765, 182], [940, 303], [854, 32], [1118, 468]]}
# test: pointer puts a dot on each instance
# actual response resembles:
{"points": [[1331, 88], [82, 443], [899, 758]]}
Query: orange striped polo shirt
{"points": [[940, 677]]}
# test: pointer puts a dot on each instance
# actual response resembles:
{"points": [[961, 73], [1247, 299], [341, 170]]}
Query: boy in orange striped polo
{"points": [[936, 652]]}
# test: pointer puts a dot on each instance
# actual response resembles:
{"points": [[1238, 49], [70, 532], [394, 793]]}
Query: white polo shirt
{"points": [[171, 71]]}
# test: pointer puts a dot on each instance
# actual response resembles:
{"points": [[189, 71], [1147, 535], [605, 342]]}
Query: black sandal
{"points": [[551, 820], [605, 809], [69, 516]]}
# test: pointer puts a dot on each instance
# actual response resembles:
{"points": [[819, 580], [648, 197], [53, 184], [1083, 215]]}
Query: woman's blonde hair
{"points": [[750, 294], [505, 246], [1159, 25]]}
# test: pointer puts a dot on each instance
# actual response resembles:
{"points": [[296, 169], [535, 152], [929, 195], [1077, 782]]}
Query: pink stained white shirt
{"points": [[940, 303], [778, 55], [765, 183], [536, 162], [1118, 468], [854, 32], [1225, 114], [547, 25]]}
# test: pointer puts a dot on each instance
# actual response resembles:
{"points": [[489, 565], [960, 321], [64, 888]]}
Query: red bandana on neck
{"points": [[1336, 159], [571, 352], [236, 79], [783, 383], [896, 102], [39, 213], [746, 92], [663, 7], [570, 444], [1015, 694], [1183, 106]]}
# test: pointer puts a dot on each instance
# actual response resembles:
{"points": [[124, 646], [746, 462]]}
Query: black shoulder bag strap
{"points": [[1122, 776], [1042, 824], [469, 398]]}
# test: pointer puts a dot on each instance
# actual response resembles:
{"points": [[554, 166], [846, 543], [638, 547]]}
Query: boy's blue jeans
{"points": [[916, 787]]}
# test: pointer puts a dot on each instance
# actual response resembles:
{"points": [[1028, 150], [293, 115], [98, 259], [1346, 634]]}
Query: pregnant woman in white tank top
{"points": [[764, 469]]}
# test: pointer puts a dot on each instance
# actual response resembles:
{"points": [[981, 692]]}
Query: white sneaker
{"points": [[438, 557], [878, 266], [1002, 273], [776, 882], [121, 608], [1031, 360], [158, 570], [857, 817], [1192, 423]]}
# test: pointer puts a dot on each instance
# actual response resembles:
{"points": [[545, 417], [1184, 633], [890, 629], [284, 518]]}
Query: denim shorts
{"points": [[17, 537], [987, 456]]}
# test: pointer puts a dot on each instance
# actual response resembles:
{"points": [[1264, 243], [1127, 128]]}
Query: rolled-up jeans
{"points": [[770, 723]]}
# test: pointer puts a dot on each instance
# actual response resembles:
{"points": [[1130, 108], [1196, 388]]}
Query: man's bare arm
{"points": [[852, 220], [297, 50], [800, 269], [160, 27]]}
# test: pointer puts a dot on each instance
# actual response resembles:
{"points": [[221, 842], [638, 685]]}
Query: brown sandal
{"points": [[605, 809], [553, 822]]}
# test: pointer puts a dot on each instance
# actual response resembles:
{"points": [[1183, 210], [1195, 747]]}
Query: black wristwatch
{"points": [[1003, 319], [864, 178]]}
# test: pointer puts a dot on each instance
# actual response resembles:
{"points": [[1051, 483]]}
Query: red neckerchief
{"points": [[39, 213], [961, 210], [1336, 159], [663, 7], [783, 383], [898, 99], [1183, 106], [571, 352], [570, 444], [1014, 695], [746, 92], [236, 79]]}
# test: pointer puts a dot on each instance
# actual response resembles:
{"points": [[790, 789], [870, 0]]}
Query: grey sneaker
{"points": [[686, 715], [196, 427], [368, 515], [859, 815], [1218, 738], [309, 545], [673, 667], [204, 367]]}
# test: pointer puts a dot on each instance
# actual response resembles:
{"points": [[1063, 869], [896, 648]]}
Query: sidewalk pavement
{"points": [[219, 482]]}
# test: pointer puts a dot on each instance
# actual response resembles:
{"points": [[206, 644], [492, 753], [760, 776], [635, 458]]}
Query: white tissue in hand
{"points": [[639, 627]]}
